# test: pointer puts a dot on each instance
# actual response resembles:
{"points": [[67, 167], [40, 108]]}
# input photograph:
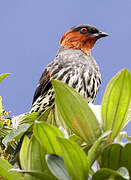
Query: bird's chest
{"points": [[80, 76]]}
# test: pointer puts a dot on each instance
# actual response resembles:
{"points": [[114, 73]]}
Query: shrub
{"points": [[83, 145]]}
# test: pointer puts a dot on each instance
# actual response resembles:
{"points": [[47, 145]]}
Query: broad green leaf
{"points": [[36, 174], [32, 158], [109, 174], [97, 148], [1, 106], [125, 157], [76, 113], [3, 76], [35, 154], [29, 118], [75, 159], [116, 102], [115, 156], [111, 156], [15, 134], [46, 135], [123, 172], [23, 153], [57, 166], [4, 171]]}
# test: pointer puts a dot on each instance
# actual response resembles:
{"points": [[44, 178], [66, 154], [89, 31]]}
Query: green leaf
{"points": [[75, 159], [35, 154], [110, 174], [23, 153], [3, 76], [123, 172], [115, 156], [57, 166], [97, 148], [76, 113], [15, 134], [116, 102], [111, 156], [1, 106], [36, 174], [4, 171], [46, 135], [29, 118], [32, 158]]}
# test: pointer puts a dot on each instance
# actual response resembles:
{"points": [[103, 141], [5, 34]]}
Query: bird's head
{"points": [[82, 37]]}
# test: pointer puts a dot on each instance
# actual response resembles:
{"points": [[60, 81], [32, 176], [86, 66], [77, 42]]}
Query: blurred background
{"points": [[30, 31]]}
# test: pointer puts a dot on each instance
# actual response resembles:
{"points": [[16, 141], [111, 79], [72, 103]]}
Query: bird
{"points": [[73, 65]]}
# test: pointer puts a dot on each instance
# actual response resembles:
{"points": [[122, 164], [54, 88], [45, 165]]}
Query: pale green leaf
{"points": [[3, 76], [75, 159], [29, 118], [97, 148], [23, 153], [123, 172], [116, 102], [109, 174], [15, 134], [46, 135], [57, 166], [36, 174], [35, 153], [115, 156], [75, 112], [4, 171], [1, 106]]}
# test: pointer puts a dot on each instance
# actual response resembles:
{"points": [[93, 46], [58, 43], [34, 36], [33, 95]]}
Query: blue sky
{"points": [[30, 31]]}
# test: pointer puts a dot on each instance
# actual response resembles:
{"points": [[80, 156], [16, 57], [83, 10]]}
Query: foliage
{"points": [[70, 143]]}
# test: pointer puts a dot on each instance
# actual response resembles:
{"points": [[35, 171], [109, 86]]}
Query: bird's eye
{"points": [[83, 30]]}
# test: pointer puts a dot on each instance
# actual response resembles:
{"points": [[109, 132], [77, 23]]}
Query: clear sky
{"points": [[30, 31]]}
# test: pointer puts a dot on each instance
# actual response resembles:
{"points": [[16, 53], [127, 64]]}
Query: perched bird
{"points": [[73, 65]]}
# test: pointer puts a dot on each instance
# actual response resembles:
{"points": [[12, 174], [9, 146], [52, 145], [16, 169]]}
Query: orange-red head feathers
{"points": [[81, 37]]}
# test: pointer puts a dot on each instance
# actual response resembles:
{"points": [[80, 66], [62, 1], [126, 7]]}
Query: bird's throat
{"points": [[83, 43], [85, 47]]}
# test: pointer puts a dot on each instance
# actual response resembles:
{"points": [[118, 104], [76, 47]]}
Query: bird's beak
{"points": [[101, 34]]}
